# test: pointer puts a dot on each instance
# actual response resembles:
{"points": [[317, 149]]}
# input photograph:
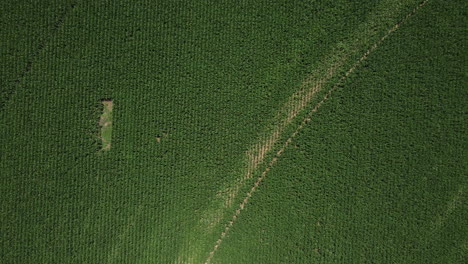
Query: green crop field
{"points": [[275, 131]]}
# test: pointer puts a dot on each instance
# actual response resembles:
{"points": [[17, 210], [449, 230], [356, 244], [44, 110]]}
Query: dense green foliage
{"points": [[379, 174], [194, 85], [27, 28]]}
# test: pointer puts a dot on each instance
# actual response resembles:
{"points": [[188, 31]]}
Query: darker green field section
{"points": [[27, 28], [194, 85], [379, 174]]}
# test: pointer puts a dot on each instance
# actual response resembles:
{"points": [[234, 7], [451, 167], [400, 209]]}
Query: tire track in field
{"points": [[299, 100], [269, 144], [292, 108], [42, 44]]}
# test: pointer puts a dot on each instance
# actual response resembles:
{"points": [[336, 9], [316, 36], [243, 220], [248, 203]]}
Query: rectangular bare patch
{"points": [[105, 122]]}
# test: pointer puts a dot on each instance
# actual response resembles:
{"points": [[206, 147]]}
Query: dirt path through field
{"points": [[297, 103]]}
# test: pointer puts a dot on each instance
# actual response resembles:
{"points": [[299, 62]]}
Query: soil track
{"points": [[297, 103]]}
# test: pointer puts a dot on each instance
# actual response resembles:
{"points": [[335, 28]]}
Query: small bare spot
{"points": [[159, 137]]}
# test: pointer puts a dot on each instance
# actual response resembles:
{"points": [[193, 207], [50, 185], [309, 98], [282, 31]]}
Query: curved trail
{"points": [[262, 149]]}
